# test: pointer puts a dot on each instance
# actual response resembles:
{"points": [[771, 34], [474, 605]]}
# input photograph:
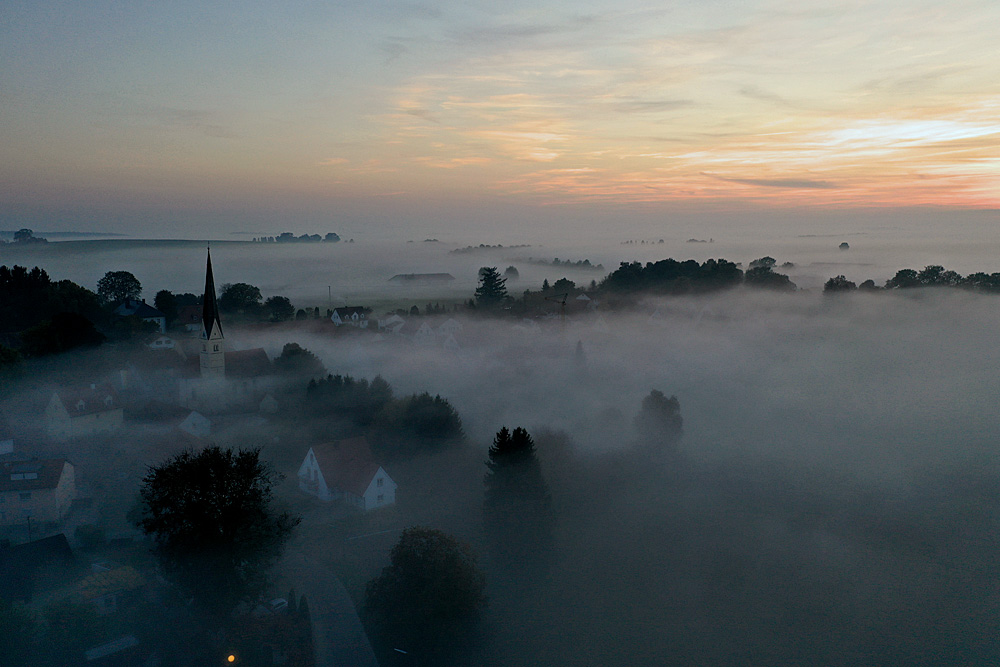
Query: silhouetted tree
{"points": [[431, 594], [211, 518], [64, 332], [279, 309], [240, 298], [166, 303], [904, 278], [764, 276], [517, 510], [838, 284], [116, 286], [659, 420], [297, 360], [492, 290], [511, 273]]}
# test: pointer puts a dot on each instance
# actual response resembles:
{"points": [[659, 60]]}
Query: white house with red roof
{"points": [[75, 413], [40, 490], [346, 470]]}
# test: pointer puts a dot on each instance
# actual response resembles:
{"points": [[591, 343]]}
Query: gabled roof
{"points": [[421, 277], [137, 308], [33, 475], [118, 580], [88, 401], [347, 465], [190, 314], [347, 311]]}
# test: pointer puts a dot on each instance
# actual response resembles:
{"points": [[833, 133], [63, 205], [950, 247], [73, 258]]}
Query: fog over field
{"points": [[833, 499]]}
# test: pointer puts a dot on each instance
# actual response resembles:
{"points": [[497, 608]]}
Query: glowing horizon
{"points": [[189, 108]]}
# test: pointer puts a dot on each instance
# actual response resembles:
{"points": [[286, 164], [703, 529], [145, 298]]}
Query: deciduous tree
{"points": [[431, 593], [211, 517], [116, 286]]}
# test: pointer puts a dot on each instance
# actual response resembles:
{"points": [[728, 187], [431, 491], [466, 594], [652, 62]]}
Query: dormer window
{"points": [[80, 405], [107, 401]]}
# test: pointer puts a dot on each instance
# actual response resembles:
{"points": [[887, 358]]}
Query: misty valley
{"points": [[308, 451]]}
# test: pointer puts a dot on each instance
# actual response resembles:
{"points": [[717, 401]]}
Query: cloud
{"points": [[778, 182], [333, 161]]}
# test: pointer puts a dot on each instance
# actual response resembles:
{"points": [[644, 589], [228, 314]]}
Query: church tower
{"points": [[213, 345]]}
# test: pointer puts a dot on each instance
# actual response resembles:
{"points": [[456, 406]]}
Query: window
{"points": [[379, 482], [216, 348], [380, 498], [25, 495]]}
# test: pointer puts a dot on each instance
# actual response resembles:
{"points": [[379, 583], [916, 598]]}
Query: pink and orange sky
{"points": [[152, 118]]}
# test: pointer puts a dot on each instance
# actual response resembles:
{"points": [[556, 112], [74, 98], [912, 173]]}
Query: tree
{"points": [[297, 360], [492, 290], [904, 278], [763, 276], [240, 298], [769, 262], [64, 332], [511, 273], [18, 632], [211, 518], [431, 593], [838, 284], [116, 286], [166, 303], [563, 285], [517, 507], [659, 420], [23, 235], [279, 309]]}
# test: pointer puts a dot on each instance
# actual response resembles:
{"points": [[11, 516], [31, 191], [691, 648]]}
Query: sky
{"points": [[183, 117]]}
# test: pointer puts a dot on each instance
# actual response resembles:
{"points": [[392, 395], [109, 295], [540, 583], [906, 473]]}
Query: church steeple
{"points": [[210, 307], [213, 350]]}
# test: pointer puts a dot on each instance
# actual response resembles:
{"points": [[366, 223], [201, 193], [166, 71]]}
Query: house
{"points": [[143, 311], [346, 470], [421, 278], [352, 315], [161, 343], [41, 564], [74, 413], [450, 327], [196, 424], [38, 489], [109, 589], [451, 344], [189, 317], [392, 324], [6, 437], [424, 335]]}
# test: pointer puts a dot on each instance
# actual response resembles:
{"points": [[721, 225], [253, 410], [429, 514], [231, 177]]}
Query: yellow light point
{"points": [[231, 658]]}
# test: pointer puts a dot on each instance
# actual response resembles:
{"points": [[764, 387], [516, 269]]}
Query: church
{"points": [[222, 381]]}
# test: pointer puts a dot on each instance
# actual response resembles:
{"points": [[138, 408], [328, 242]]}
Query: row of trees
{"points": [[396, 427], [932, 275]]}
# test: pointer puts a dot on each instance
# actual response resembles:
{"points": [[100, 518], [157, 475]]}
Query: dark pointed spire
{"points": [[210, 307]]}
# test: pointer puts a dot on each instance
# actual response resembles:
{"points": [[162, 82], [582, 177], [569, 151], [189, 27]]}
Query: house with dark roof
{"points": [[143, 311], [26, 567], [78, 412], [355, 316], [346, 470], [38, 489], [189, 317], [421, 278]]}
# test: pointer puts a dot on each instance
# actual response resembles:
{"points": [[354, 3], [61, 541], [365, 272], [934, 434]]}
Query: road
{"points": [[339, 640]]}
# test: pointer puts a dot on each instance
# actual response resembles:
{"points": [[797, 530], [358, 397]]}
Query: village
{"points": [[75, 449]]}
